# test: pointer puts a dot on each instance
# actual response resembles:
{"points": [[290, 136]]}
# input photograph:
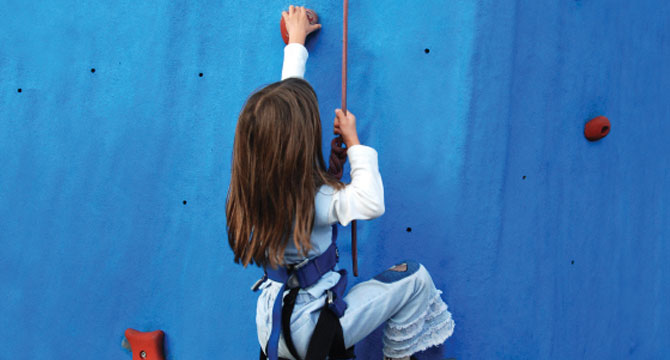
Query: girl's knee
{"points": [[423, 277], [401, 271]]}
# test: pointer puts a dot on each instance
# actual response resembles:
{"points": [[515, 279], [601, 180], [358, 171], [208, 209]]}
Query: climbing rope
{"points": [[338, 154]]}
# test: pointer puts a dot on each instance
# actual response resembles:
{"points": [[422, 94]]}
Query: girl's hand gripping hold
{"points": [[297, 24], [345, 125]]}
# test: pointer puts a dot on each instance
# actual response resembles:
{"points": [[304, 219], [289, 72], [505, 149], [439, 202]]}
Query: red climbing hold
{"points": [[597, 128], [146, 345], [311, 16]]}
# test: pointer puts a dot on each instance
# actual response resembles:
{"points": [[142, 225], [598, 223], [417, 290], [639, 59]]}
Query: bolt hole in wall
{"points": [[93, 70], [19, 90], [409, 229], [200, 74], [426, 50], [184, 202], [572, 262], [523, 177]]}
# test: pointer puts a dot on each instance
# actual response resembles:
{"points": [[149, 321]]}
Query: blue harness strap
{"points": [[273, 342], [303, 275], [336, 295]]}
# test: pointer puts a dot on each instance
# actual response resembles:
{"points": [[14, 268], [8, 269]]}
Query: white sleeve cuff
{"points": [[362, 156], [295, 58]]}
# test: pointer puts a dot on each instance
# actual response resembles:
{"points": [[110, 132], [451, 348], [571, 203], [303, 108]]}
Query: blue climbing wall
{"points": [[113, 181]]}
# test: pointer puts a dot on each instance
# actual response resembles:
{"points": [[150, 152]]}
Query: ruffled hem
{"points": [[399, 332], [431, 328]]}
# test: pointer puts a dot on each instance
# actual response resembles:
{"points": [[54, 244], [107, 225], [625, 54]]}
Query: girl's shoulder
{"points": [[322, 204]]}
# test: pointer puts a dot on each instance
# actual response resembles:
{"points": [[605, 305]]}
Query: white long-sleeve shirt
{"points": [[362, 199]]}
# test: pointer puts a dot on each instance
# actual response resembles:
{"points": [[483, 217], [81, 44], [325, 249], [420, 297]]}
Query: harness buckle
{"points": [[259, 282], [300, 264], [292, 282]]}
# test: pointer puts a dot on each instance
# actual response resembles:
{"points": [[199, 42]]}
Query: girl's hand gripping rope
{"points": [[345, 125]]}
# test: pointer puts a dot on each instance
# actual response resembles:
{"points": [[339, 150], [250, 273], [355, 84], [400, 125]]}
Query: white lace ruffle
{"points": [[431, 328], [399, 332]]}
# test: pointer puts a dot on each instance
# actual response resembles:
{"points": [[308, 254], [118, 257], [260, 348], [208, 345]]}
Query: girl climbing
{"points": [[281, 210]]}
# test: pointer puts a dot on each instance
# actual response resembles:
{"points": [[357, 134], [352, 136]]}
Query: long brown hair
{"points": [[277, 168]]}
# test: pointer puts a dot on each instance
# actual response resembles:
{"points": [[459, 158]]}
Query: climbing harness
{"points": [[327, 338]]}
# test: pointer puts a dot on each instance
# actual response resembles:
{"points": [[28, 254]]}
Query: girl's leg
{"points": [[405, 296]]}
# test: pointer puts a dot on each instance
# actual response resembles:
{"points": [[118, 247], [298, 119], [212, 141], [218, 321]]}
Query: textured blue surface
{"points": [[546, 245]]}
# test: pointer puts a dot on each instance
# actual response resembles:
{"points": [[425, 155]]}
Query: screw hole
{"points": [[604, 130], [93, 70], [572, 262], [184, 202], [200, 74], [426, 50], [409, 229], [524, 177], [19, 90]]}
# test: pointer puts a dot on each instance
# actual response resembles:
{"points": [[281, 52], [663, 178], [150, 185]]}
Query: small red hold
{"points": [[311, 16], [146, 345], [597, 128]]}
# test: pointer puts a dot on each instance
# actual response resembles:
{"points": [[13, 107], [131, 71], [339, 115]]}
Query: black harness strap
{"points": [[328, 338], [286, 311]]}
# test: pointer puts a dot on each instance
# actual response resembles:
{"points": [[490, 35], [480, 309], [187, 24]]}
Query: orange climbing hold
{"points": [[146, 345], [311, 16], [597, 128]]}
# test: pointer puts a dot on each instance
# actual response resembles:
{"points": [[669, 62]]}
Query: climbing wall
{"points": [[116, 132]]}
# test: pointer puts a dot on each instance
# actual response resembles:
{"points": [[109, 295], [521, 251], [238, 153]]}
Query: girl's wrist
{"points": [[297, 37], [351, 142]]}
